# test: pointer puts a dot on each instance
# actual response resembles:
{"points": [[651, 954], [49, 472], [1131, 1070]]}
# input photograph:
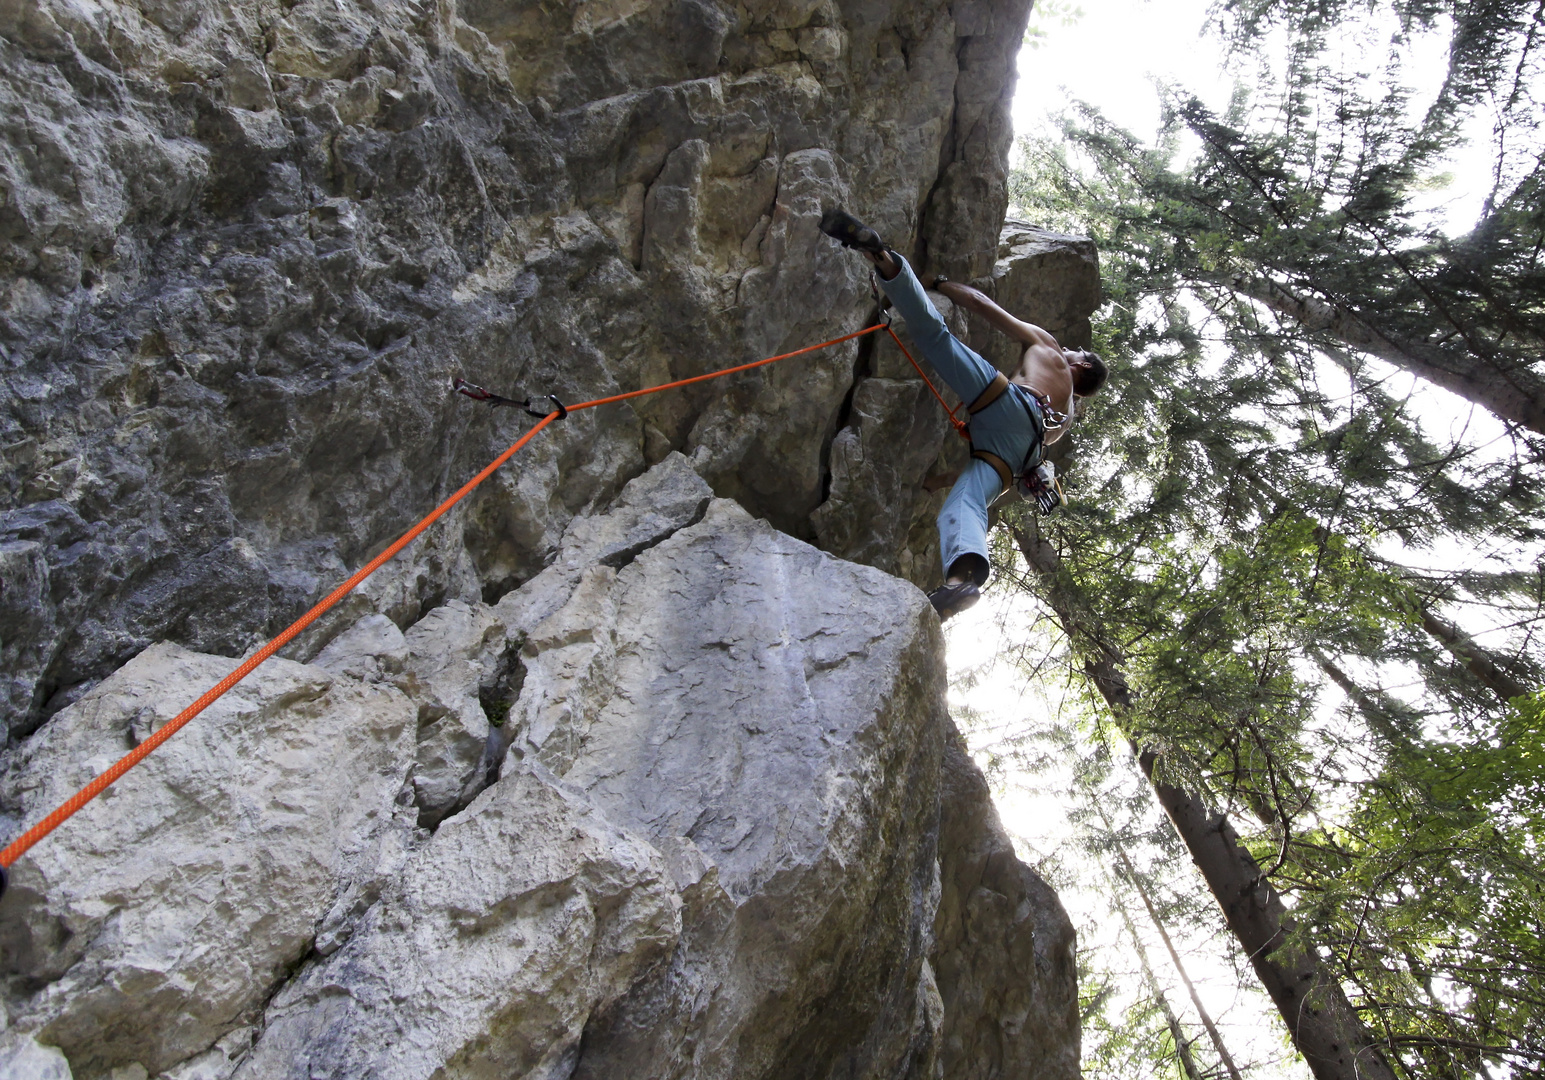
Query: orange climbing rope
{"points": [[26, 840]]}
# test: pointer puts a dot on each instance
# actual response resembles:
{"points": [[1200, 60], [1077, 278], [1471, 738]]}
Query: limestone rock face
{"points": [[244, 247], [611, 772], [720, 825], [168, 908], [1001, 962]]}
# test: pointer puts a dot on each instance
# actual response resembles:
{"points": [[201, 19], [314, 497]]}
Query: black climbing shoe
{"points": [[950, 600], [852, 233]]}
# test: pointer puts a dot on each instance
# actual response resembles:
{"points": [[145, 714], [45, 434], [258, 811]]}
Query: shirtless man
{"points": [[1008, 417]]}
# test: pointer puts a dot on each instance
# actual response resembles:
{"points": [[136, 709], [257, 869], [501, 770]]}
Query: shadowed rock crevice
{"points": [[498, 692], [863, 365]]}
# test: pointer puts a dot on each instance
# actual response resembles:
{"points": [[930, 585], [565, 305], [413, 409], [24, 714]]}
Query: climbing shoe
{"points": [[950, 600], [852, 233]]}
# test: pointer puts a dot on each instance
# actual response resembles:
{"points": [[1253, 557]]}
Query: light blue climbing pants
{"points": [[1004, 428]]}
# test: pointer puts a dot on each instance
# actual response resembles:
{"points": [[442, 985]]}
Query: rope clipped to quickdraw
{"points": [[18, 847]]}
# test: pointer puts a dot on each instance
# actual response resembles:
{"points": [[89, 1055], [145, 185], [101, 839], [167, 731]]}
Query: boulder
{"points": [[723, 828], [487, 955]]}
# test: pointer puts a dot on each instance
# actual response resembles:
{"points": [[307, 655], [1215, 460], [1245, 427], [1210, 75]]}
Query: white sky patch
{"points": [[1110, 58], [1116, 54]]}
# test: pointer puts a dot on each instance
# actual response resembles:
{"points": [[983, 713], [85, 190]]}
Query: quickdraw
{"points": [[530, 405]]}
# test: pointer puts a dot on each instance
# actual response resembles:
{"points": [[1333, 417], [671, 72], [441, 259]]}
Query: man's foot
{"points": [[950, 600], [852, 233]]}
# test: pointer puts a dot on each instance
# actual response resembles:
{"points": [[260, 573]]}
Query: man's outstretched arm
{"points": [[973, 299]]}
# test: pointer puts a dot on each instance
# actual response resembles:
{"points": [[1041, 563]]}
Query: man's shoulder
{"points": [[1045, 349], [1042, 338]]}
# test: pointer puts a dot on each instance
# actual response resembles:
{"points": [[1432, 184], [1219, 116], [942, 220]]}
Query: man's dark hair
{"points": [[1087, 381]]}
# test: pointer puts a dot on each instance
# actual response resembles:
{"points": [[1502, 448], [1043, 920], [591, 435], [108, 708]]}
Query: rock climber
{"points": [[1010, 416]]}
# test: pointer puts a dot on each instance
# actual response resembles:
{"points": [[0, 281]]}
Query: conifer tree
{"points": [[1302, 201], [1324, 1026], [1260, 528]]}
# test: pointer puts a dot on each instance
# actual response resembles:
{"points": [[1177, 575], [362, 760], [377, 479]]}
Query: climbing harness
{"points": [[18, 847], [1035, 478]]}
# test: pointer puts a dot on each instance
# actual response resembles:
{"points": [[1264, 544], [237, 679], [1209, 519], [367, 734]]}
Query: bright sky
{"points": [[1111, 56]]}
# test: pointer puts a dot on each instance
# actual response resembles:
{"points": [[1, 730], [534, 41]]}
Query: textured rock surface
{"points": [[734, 835], [186, 894], [1001, 960], [244, 246], [601, 777]]}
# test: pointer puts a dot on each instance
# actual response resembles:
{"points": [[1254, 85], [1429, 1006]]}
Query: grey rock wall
{"points": [[244, 247], [723, 827], [610, 773]]}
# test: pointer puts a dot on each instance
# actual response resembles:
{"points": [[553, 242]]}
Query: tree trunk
{"points": [[1480, 662], [1518, 396], [1324, 1027], [1182, 1047], [1169, 946], [1378, 710]]}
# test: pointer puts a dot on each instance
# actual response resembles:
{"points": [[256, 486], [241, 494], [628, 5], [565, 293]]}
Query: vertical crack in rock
{"points": [[863, 364], [498, 692]]}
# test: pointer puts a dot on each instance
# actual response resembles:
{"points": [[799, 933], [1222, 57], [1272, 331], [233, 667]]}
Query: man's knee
{"points": [[952, 518]]}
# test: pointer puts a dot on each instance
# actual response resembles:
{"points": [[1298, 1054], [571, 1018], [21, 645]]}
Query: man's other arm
{"points": [[973, 299]]}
